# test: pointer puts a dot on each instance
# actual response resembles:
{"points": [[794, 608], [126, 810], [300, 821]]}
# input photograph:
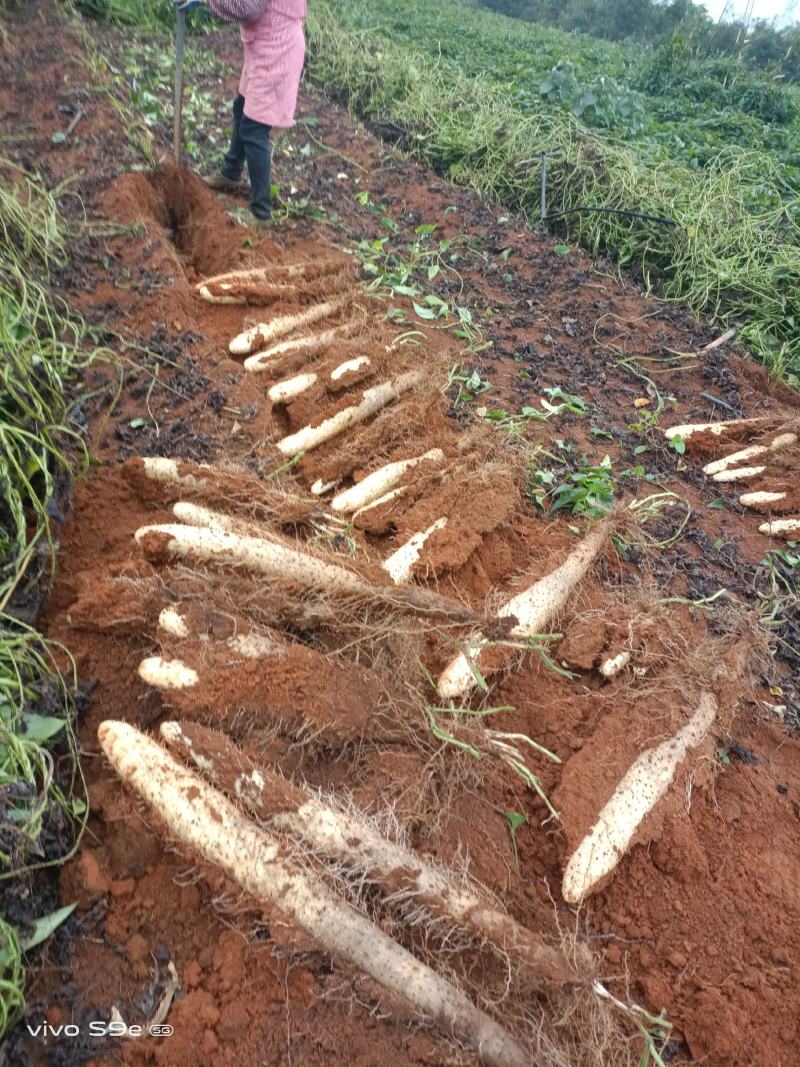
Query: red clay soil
{"points": [[702, 916]]}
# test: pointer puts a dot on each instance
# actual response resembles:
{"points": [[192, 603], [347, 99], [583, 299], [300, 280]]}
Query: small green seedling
{"points": [[514, 819]]}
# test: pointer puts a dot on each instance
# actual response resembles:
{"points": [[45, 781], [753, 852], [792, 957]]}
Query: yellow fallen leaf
{"points": [[641, 402]]}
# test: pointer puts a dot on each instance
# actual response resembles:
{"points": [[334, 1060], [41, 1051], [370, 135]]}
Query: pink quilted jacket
{"points": [[274, 52]]}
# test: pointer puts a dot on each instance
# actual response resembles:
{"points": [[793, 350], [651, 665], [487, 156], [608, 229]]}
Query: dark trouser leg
{"points": [[258, 151], [234, 158]]}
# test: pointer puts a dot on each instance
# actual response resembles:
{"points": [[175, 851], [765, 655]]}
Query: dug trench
{"points": [[701, 917]]}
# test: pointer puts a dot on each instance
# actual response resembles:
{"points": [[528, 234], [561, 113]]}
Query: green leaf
{"points": [[677, 443], [45, 926], [41, 728], [423, 312], [562, 250], [137, 424], [718, 503], [639, 449], [515, 819]]}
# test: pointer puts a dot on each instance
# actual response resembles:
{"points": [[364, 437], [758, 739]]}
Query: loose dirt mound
{"points": [[701, 917]]}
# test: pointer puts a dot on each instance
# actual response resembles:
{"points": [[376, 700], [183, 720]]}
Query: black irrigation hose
{"points": [[613, 211], [544, 156]]}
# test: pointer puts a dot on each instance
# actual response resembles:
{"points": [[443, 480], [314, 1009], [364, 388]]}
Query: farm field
{"points": [[481, 96], [281, 774]]}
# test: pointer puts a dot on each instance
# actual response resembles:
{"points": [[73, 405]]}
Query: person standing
{"points": [[274, 54]]}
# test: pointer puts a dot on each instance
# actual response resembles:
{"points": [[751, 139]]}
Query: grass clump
{"points": [[40, 346], [44, 349]]}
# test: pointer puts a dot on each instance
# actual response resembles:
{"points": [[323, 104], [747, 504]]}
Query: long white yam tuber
{"points": [[172, 622], [205, 821], [263, 332], [717, 429], [738, 474], [320, 488], [380, 482], [166, 472], [401, 490], [534, 609], [216, 544], [219, 521], [645, 783], [401, 563], [783, 440], [788, 528], [301, 383], [760, 500], [264, 361], [348, 367], [371, 402], [227, 294], [612, 666], [167, 674], [228, 283], [255, 554], [291, 387], [260, 285], [351, 840], [235, 488]]}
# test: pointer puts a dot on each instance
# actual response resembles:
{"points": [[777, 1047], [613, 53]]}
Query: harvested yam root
{"points": [[313, 343], [477, 497], [263, 285], [203, 820], [377, 484], [647, 780], [645, 783], [723, 430], [533, 611], [290, 388], [769, 465], [787, 528], [614, 665], [269, 678], [264, 332], [349, 839], [260, 555], [372, 400], [156, 478], [391, 434], [401, 563]]}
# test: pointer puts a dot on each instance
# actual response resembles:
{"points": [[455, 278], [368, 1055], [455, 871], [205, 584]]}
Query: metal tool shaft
{"points": [[180, 43]]}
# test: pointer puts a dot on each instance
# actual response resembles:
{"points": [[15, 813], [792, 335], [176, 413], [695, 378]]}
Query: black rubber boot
{"points": [[234, 158], [258, 152]]}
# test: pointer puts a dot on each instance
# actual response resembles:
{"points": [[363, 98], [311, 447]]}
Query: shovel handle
{"points": [[177, 126]]}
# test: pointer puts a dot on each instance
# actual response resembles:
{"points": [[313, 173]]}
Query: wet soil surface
{"points": [[702, 916]]}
